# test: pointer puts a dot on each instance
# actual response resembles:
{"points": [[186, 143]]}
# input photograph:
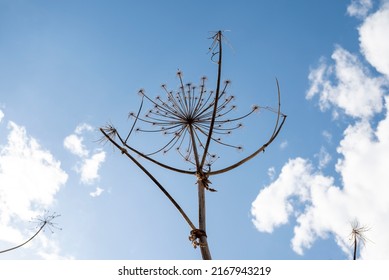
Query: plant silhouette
{"points": [[45, 221], [193, 117]]}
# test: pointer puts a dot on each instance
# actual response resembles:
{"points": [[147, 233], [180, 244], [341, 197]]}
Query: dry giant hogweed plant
{"points": [[193, 117]]}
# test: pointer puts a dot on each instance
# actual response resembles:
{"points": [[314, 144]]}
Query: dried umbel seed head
{"points": [[358, 232], [110, 131], [46, 221], [187, 114]]}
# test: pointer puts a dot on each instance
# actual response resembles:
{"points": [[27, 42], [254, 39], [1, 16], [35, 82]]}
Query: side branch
{"points": [[261, 149], [165, 192], [277, 129]]}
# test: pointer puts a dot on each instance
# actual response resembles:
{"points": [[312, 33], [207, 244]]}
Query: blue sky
{"points": [[70, 67]]}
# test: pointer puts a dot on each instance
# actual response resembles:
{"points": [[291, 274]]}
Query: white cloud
{"points": [[74, 144], [321, 207], [272, 206], [83, 127], [302, 191], [29, 174], [359, 8], [30, 178], [354, 91], [97, 192], [1, 115], [88, 166], [374, 39]]}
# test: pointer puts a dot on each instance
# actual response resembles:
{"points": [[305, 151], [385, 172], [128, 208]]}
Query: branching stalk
{"points": [[193, 121]]}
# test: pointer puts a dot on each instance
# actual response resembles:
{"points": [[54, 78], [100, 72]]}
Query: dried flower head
{"points": [[186, 115], [46, 221], [41, 222], [110, 131], [358, 235]]}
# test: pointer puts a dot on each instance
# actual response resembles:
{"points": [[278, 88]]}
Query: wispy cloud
{"points": [[359, 8], [323, 158], [271, 172], [30, 178], [327, 136], [302, 191], [272, 206], [97, 192], [88, 165], [83, 127], [74, 144]]}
